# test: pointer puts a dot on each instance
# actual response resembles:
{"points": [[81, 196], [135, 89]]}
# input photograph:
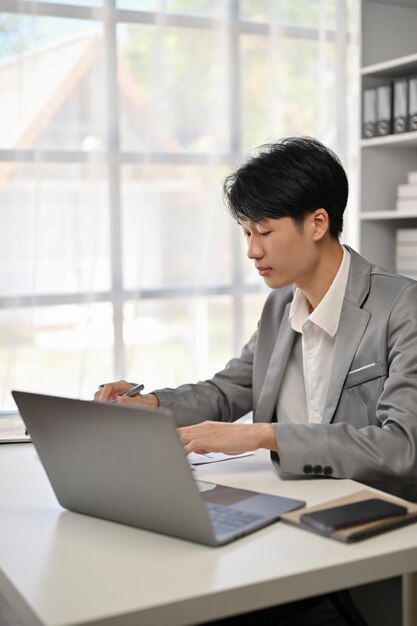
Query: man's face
{"points": [[283, 253]]}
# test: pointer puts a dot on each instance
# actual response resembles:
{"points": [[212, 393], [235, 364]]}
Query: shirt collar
{"points": [[327, 313]]}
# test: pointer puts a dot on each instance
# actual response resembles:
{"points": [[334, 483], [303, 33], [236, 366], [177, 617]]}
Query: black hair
{"points": [[290, 178]]}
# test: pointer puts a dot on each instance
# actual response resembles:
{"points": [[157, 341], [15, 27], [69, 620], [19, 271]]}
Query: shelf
{"points": [[388, 52], [387, 215], [409, 139], [401, 66]]}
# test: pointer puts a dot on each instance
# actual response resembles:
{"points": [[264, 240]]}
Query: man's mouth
{"points": [[263, 270]]}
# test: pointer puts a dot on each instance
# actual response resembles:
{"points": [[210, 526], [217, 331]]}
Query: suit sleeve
{"points": [[225, 397], [383, 451]]}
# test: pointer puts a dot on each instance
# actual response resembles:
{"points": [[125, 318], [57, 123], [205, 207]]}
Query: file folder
{"points": [[400, 105], [412, 103], [384, 109], [369, 113]]}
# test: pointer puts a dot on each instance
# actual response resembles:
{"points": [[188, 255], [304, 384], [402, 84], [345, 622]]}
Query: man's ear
{"points": [[320, 223]]}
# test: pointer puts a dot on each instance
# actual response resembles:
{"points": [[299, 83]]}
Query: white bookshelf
{"points": [[402, 66], [409, 138], [388, 51], [400, 216]]}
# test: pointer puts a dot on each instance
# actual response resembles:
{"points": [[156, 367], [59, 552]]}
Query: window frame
{"points": [[114, 158]]}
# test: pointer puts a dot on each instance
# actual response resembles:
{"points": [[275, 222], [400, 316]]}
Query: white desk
{"points": [[59, 569]]}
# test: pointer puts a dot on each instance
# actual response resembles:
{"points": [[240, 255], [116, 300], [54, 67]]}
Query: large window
{"points": [[119, 120]]}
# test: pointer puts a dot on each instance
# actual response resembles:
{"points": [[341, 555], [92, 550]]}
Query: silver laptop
{"points": [[127, 465]]}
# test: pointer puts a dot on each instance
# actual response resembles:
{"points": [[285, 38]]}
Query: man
{"points": [[331, 372]]}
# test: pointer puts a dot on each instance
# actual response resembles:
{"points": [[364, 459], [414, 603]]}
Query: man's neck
{"points": [[323, 274]]}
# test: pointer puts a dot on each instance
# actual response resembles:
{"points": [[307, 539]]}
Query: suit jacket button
{"points": [[308, 469], [318, 469], [328, 471]]}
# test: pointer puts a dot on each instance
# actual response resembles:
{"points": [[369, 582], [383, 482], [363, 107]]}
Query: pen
{"points": [[130, 392]]}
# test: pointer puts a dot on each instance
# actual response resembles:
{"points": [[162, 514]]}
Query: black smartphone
{"points": [[352, 514]]}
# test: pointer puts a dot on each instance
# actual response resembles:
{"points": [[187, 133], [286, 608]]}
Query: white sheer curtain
{"points": [[118, 121]]}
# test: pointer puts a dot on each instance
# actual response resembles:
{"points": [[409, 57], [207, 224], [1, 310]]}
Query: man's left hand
{"points": [[227, 438]]}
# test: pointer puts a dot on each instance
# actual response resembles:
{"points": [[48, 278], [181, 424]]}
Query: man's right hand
{"points": [[115, 391]]}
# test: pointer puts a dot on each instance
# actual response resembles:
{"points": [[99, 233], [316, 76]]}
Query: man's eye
{"points": [[246, 234], [265, 234]]}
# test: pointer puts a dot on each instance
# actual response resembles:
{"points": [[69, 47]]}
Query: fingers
{"points": [[186, 440], [136, 400], [148, 399], [193, 446], [198, 438], [110, 390]]}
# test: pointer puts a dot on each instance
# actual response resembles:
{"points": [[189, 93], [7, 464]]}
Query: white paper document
{"points": [[212, 457]]}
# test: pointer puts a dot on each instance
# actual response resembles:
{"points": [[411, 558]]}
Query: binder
{"points": [[369, 113], [400, 105], [412, 103], [384, 109]]}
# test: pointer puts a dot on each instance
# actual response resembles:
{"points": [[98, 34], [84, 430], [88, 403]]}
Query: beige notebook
{"points": [[359, 531]]}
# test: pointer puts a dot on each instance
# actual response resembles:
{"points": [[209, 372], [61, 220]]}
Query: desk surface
{"points": [[59, 568]]}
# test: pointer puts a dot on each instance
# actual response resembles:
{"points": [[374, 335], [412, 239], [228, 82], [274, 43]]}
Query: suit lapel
{"points": [[276, 369], [352, 324]]}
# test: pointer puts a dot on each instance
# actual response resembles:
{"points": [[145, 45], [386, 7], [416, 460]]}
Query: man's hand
{"points": [[115, 391], [227, 438]]}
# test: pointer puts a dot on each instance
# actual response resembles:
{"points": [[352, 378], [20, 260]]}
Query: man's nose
{"points": [[254, 250]]}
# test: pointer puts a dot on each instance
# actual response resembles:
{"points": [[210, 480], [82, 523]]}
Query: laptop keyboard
{"points": [[225, 519]]}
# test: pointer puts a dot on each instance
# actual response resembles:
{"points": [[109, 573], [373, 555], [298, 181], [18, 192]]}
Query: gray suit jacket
{"points": [[369, 426]]}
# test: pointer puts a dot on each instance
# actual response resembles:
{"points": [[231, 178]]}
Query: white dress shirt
{"points": [[318, 335]]}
